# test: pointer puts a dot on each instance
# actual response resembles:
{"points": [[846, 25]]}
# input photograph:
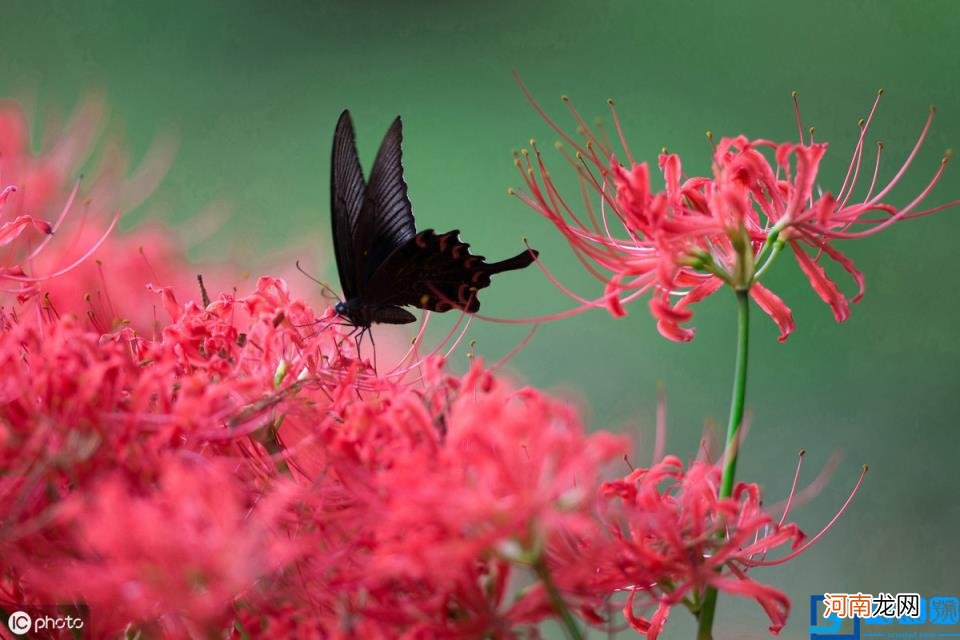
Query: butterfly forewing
{"points": [[347, 194], [386, 222]]}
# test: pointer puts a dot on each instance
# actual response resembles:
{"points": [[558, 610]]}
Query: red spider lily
{"points": [[685, 242], [41, 190], [242, 467], [669, 537], [176, 553]]}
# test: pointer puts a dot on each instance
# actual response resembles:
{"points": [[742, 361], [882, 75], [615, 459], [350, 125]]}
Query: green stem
{"points": [[777, 247], [559, 606], [730, 453]]}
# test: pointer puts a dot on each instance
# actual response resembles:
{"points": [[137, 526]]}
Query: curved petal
{"points": [[822, 284], [774, 307]]}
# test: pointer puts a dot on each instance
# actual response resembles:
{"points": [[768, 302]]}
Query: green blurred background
{"points": [[254, 90]]}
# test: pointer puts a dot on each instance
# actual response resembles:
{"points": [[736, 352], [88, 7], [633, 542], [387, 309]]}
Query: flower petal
{"points": [[774, 307], [822, 284]]}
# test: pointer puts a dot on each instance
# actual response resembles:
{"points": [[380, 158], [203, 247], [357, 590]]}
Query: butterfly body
{"points": [[383, 262], [363, 314]]}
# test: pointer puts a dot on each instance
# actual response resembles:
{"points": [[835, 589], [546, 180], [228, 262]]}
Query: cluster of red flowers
{"points": [[234, 467], [700, 233]]}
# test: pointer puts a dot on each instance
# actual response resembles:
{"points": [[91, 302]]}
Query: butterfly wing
{"points": [[386, 221], [437, 273], [347, 195]]}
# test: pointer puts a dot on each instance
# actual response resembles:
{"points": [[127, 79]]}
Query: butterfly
{"points": [[384, 263]]}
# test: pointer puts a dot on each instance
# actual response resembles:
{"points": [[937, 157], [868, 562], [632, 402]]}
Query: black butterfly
{"points": [[384, 263]]}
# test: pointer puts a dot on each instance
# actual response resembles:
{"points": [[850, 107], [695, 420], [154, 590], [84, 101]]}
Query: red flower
{"points": [[42, 191], [669, 537], [686, 241], [175, 553]]}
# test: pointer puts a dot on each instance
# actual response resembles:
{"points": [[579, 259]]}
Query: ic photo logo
{"points": [[19, 622], [45, 619]]}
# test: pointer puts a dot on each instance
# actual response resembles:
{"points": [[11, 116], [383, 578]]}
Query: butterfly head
{"points": [[341, 308]]}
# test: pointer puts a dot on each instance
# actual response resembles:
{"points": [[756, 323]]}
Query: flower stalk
{"points": [[732, 445], [556, 600]]}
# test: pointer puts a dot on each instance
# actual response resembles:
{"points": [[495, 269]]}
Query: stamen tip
{"points": [[558, 145], [663, 150], [709, 135], [880, 91], [511, 191], [803, 452], [947, 155], [565, 98], [861, 122], [610, 101], [533, 142], [794, 94], [866, 468]]}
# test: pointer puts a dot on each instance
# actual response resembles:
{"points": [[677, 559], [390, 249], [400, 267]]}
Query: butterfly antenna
{"points": [[326, 288]]}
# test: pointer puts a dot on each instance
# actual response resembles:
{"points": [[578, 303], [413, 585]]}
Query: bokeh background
{"points": [[253, 90]]}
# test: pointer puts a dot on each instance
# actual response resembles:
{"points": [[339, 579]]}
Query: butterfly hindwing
{"points": [[347, 195], [433, 272]]}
